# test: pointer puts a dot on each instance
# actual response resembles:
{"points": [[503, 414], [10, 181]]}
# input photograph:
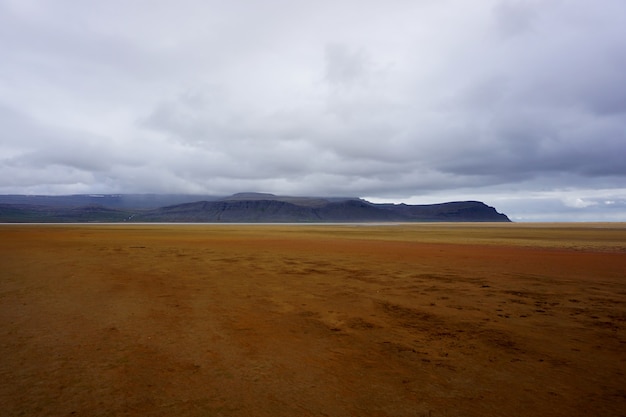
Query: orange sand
{"points": [[233, 320]]}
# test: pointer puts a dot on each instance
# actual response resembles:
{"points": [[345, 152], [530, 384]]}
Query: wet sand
{"points": [[325, 320]]}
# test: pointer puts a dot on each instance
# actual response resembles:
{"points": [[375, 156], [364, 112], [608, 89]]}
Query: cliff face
{"points": [[350, 210], [475, 211], [230, 212], [253, 208]]}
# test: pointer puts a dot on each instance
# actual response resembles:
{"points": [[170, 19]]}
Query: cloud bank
{"points": [[519, 103]]}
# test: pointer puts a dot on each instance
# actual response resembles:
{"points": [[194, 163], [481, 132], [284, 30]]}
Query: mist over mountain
{"points": [[237, 208]]}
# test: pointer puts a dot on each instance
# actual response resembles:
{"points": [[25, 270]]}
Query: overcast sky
{"points": [[520, 104]]}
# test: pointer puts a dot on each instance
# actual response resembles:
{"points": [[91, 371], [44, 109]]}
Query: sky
{"points": [[520, 104]]}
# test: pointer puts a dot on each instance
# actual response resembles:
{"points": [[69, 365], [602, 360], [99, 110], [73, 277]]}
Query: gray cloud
{"points": [[399, 101], [514, 18], [346, 67]]}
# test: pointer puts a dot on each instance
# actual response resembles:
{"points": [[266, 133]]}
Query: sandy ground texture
{"points": [[328, 320]]}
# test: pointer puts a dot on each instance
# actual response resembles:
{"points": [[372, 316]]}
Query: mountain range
{"points": [[237, 208]]}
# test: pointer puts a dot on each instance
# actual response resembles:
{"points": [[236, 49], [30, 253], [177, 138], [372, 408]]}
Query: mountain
{"points": [[113, 201], [238, 208]]}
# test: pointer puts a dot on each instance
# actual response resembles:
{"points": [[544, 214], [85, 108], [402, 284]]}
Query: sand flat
{"points": [[309, 320]]}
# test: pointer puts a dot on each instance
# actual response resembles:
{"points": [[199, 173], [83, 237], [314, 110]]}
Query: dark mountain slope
{"points": [[239, 208], [237, 211], [453, 211], [32, 213], [112, 201], [352, 210]]}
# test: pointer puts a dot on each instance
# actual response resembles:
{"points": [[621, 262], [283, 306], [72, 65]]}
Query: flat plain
{"points": [[313, 320]]}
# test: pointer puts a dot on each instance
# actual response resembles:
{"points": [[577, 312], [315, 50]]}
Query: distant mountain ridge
{"points": [[237, 208]]}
